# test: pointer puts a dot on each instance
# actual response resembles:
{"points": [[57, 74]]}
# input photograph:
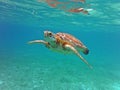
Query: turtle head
{"points": [[49, 36]]}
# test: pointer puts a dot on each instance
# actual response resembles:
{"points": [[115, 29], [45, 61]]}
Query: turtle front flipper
{"points": [[76, 52], [39, 42]]}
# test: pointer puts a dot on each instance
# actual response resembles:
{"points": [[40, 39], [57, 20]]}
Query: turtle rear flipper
{"points": [[76, 52]]}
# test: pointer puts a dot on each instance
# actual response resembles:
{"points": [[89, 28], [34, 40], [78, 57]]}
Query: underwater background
{"points": [[35, 67]]}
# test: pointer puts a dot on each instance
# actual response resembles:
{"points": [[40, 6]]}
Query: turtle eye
{"points": [[50, 34]]}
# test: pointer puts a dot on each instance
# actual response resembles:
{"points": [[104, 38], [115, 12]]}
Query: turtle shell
{"points": [[69, 39], [64, 38]]}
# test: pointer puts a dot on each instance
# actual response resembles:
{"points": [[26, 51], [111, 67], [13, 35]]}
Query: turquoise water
{"points": [[34, 67]]}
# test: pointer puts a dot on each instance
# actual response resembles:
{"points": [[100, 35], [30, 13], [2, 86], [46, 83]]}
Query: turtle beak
{"points": [[45, 33]]}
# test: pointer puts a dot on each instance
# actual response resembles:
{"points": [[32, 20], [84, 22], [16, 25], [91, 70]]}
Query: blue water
{"points": [[34, 67]]}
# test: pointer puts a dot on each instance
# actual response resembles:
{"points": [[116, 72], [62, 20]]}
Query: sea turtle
{"points": [[63, 42]]}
